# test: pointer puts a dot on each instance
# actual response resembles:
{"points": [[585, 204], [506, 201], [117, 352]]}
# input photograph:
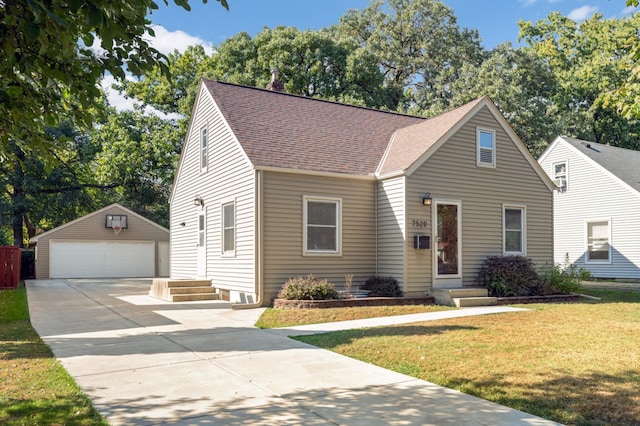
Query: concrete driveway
{"points": [[144, 361]]}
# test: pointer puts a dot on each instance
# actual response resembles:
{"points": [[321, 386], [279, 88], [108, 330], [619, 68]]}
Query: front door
{"points": [[447, 264], [202, 243]]}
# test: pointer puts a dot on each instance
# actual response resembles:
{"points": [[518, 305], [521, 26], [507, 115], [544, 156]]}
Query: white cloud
{"points": [[582, 13], [122, 103], [528, 2], [167, 41]]}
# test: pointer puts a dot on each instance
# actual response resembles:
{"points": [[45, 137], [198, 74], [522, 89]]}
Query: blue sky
{"points": [[496, 20], [210, 24]]}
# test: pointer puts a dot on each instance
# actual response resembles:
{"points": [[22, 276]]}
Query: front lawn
{"points": [[272, 318], [34, 388], [575, 363]]}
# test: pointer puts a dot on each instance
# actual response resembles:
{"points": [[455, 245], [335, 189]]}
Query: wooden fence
{"points": [[9, 267]]}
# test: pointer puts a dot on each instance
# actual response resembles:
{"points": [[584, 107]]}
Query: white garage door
{"points": [[101, 259]]}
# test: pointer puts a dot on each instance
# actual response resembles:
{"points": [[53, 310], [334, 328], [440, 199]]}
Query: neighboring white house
{"points": [[597, 208], [272, 186]]}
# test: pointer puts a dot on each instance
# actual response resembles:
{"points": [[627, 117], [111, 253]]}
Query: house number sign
{"points": [[420, 223]]}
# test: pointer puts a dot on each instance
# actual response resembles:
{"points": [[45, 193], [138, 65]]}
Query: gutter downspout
{"points": [[259, 284]]}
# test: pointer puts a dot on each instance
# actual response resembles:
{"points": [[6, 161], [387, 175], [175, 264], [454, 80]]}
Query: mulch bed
{"points": [[555, 298], [395, 301], [360, 301]]}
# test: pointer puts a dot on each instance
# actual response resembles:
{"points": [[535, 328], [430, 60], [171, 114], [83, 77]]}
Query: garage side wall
{"points": [[92, 228]]}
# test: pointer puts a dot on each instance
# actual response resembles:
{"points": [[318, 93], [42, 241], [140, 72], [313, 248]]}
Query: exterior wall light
{"points": [[426, 200], [198, 201]]}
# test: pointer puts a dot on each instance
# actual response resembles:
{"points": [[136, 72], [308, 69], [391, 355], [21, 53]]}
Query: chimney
{"points": [[275, 84]]}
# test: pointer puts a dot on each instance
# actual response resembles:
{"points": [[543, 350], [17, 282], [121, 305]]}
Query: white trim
{"points": [[314, 173], [587, 260], [434, 232], [223, 251], [566, 175], [523, 224], [338, 203], [203, 148], [494, 148], [201, 249]]}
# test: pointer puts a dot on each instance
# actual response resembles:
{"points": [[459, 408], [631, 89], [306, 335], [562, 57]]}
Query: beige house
{"points": [[112, 242], [272, 185]]}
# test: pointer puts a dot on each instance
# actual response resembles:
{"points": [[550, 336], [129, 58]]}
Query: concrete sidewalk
{"points": [[144, 361]]}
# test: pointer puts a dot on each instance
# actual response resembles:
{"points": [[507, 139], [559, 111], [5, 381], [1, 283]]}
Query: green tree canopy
{"points": [[589, 61], [50, 72]]}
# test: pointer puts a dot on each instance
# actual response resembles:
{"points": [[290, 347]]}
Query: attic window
{"points": [[486, 147], [560, 176], [203, 150], [116, 220]]}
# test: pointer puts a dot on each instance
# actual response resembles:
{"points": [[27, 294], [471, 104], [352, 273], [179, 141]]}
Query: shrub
{"points": [[563, 279], [308, 288], [382, 287], [506, 276]]}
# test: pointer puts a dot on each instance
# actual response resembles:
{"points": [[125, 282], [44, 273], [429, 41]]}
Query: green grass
{"points": [[575, 363], [34, 388], [273, 318]]}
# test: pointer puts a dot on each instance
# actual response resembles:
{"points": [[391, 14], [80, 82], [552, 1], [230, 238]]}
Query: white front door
{"points": [[447, 262], [202, 243]]}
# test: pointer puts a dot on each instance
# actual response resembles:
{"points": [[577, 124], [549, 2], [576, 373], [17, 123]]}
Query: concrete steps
{"points": [[173, 290], [463, 297]]}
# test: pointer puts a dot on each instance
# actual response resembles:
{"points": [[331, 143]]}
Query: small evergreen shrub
{"points": [[565, 278], [382, 287], [308, 288], [506, 276]]}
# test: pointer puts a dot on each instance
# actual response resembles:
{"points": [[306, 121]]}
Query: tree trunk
{"points": [[18, 206]]}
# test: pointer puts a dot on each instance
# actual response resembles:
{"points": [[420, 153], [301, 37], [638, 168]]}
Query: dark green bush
{"points": [[382, 287], [563, 279], [308, 288], [506, 276]]}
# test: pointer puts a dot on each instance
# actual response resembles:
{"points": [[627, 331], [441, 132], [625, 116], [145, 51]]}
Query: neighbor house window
{"points": [[599, 241], [322, 225], [514, 230], [486, 147], [203, 150], [560, 176], [228, 228]]}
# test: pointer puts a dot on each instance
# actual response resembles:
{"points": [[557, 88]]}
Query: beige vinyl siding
{"points": [[391, 229], [229, 177], [92, 228], [593, 195], [283, 230], [451, 174]]}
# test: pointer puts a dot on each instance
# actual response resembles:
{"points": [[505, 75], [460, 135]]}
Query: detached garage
{"points": [[113, 242]]}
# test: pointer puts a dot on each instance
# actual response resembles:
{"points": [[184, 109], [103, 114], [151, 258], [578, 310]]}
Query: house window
{"points": [[322, 225], [228, 228], [560, 176], [201, 228], [598, 241], [486, 148], [514, 230], [203, 150]]}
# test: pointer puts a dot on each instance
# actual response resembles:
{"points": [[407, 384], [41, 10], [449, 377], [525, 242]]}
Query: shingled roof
{"points": [[294, 132], [623, 163]]}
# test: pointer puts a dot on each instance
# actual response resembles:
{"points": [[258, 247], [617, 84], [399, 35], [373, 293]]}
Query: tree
{"points": [[419, 47], [521, 85], [50, 71], [138, 154], [589, 61], [34, 197]]}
